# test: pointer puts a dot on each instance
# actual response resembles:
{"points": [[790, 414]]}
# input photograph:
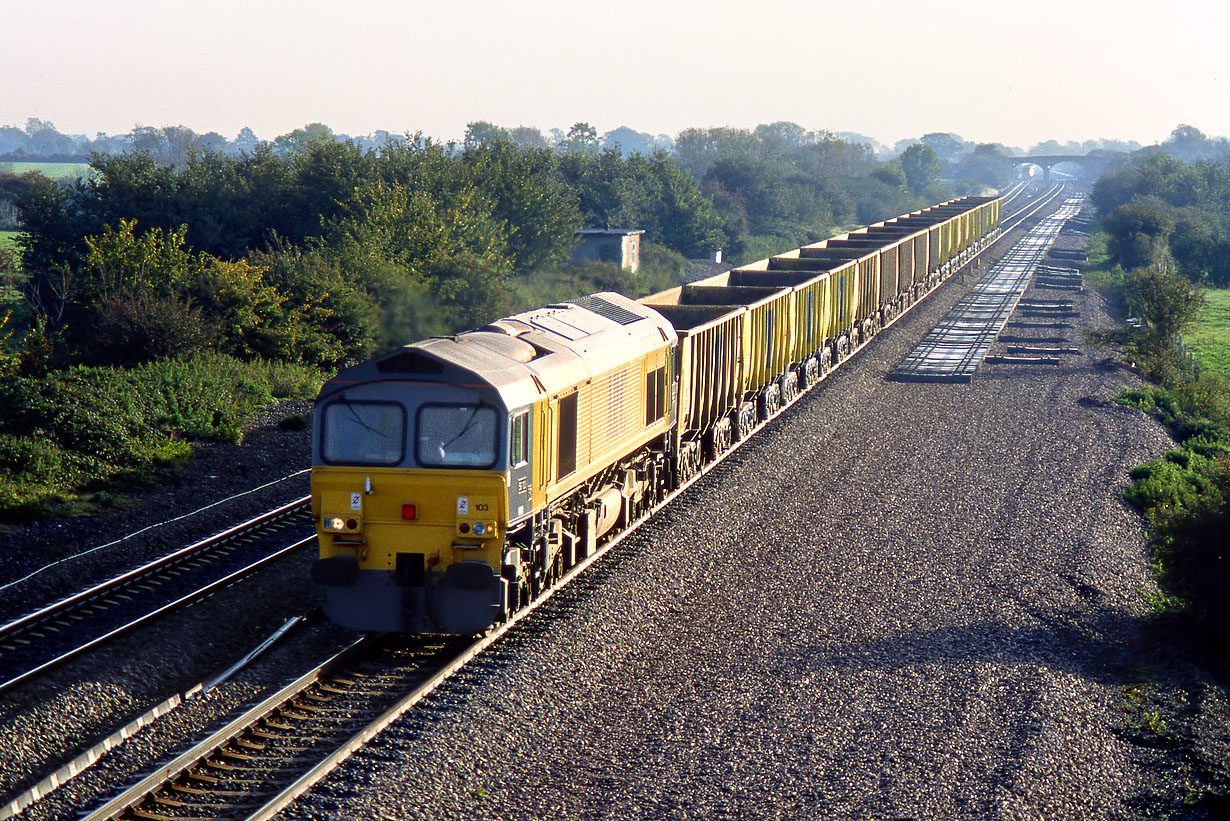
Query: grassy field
{"points": [[1209, 337], [55, 170]]}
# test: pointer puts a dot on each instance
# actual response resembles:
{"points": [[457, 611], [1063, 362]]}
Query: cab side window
{"points": [[655, 395], [519, 440], [566, 451]]}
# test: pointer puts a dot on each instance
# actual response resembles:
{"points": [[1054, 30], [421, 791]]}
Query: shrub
{"points": [[72, 430], [1190, 550], [1162, 488], [39, 460], [145, 325]]}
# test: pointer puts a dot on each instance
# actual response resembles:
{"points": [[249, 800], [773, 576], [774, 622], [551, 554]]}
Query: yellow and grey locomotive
{"points": [[454, 478]]}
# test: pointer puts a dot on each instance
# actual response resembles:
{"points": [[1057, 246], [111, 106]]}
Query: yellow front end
{"points": [[410, 550]]}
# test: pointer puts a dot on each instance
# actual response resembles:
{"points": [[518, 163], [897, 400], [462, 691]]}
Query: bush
{"points": [[1183, 496], [1163, 488], [142, 326], [68, 431], [1190, 550], [38, 460]]}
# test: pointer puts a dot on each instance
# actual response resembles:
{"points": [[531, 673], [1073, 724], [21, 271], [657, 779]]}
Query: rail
{"points": [[33, 644]]}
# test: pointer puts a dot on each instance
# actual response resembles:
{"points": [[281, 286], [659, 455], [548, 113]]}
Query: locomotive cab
{"points": [[411, 497]]}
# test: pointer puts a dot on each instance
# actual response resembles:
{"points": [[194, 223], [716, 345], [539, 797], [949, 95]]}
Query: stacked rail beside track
{"points": [[954, 349]]}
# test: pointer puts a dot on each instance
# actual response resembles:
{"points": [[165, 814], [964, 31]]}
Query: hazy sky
{"points": [[1015, 73]]}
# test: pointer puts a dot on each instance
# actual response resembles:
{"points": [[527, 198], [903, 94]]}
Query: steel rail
{"points": [[15, 805], [198, 752], [196, 594], [96, 595], [1032, 208]]}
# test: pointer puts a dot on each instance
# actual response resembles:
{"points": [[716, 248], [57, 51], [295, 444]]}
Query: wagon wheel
{"points": [[790, 388], [811, 372]]}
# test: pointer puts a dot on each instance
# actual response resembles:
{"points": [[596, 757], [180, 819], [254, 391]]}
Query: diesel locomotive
{"points": [[456, 478]]}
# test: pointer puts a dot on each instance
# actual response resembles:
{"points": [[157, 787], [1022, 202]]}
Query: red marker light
{"points": [[464, 527], [351, 524], [409, 511]]}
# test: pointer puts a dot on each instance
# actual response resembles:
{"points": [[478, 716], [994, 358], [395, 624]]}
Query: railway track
{"points": [[1029, 209], [52, 635], [260, 762]]}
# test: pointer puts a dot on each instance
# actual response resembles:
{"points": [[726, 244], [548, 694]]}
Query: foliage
{"points": [[1161, 208], [1141, 230], [986, 167], [531, 197], [1190, 549], [921, 167], [1165, 304], [1165, 214], [67, 431], [661, 268], [782, 186], [1184, 495], [648, 192], [582, 138]]}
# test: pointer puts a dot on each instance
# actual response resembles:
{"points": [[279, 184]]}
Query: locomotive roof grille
{"points": [[609, 310], [407, 361]]}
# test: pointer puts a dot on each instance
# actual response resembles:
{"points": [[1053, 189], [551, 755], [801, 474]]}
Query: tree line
{"points": [[320, 249], [1169, 207]]}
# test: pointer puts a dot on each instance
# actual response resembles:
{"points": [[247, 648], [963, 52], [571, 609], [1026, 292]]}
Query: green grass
{"points": [[1209, 337], [55, 170], [1100, 273], [9, 239]]}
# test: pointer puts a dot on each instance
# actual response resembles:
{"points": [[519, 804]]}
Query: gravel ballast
{"points": [[900, 600]]}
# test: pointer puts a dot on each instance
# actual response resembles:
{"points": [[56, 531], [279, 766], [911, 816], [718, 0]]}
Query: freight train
{"points": [[455, 479]]}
